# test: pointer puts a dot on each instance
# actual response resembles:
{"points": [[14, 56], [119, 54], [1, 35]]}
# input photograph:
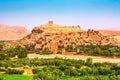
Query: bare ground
{"points": [[77, 57]]}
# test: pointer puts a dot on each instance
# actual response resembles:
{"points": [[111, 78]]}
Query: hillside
{"points": [[12, 32], [55, 37], [110, 32]]}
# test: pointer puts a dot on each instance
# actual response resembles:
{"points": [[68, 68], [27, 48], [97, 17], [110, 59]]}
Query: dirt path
{"points": [[77, 57]]}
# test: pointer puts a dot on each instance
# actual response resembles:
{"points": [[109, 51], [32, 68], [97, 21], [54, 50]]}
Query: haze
{"points": [[89, 14]]}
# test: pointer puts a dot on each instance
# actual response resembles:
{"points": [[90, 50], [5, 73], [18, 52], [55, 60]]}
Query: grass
{"points": [[15, 77]]}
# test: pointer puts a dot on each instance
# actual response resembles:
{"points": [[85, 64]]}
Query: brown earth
{"points": [[12, 32]]}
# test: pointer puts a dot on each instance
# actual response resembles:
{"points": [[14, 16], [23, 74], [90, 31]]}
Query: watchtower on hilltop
{"points": [[50, 22]]}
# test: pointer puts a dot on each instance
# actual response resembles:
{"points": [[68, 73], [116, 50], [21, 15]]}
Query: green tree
{"points": [[47, 51], [3, 56], [89, 62], [10, 52], [85, 70], [97, 51], [21, 52]]}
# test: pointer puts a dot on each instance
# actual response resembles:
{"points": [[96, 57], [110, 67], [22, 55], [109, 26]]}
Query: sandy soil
{"points": [[77, 57]]}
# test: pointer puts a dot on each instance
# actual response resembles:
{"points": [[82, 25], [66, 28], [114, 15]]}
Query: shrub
{"points": [[57, 73], [43, 76], [84, 70], [36, 70], [89, 62], [1, 78], [67, 72], [47, 51], [63, 67], [14, 71], [100, 78], [3, 56], [73, 72], [21, 52], [104, 70]]}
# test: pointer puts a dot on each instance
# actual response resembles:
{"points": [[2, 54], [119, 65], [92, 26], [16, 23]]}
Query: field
{"points": [[23, 77], [15, 77]]}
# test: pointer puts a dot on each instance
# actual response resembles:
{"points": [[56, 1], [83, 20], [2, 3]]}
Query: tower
{"points": [[50, 22]]}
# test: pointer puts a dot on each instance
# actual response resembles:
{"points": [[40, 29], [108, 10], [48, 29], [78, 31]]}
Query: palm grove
{"points": [[54, 69]]}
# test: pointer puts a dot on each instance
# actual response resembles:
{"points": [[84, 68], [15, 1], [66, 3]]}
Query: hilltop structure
{"points": [[56, 38], [54, 28]]}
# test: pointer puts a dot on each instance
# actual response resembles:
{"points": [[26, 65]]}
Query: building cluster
{"points": [[56, 38]]}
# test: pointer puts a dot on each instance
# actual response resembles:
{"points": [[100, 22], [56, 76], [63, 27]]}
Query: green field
{"points": [[23, 77], [15, 77], [59, 69]]}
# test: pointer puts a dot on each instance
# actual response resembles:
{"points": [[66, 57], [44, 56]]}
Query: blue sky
{"points": [[89, 14]]}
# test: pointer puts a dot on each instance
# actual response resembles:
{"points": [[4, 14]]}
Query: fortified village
{"points": [[57, 37]]}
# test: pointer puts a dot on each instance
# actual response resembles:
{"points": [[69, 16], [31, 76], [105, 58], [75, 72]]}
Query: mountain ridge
{"points": [[12, 32]]}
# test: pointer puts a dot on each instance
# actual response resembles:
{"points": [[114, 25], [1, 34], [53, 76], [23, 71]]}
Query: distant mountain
{"points": [[110, 32], [12, 32]]}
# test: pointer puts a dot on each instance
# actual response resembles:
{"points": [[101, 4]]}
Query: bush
{"points": [[88, 78], [47, 51], [1, 78], [14, 71], [20, 52], [3, 56], [84, 70], [100, 78], [43, 76], [63, 67], [67, 72], [57, 73], [89, 62], [36, 70], [73, 72], [104, 70]]}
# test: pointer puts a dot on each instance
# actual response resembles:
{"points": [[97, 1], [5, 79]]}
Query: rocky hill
{"points": [[12, 32], [54, 36], [110, 32]]}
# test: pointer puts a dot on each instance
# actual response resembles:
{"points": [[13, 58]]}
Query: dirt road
{"points": [[77, 57]]}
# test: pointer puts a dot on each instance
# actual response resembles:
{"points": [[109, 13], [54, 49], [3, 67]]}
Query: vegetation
{"points": [[14, 77], [96, 50], [55, 69], [14, 71], [62, 69], [93, 50]]}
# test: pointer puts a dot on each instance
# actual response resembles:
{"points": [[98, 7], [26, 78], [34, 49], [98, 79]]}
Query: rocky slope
{"points": [[12, 32]]}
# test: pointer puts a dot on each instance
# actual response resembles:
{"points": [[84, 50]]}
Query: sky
{"points": [[89, 14]]}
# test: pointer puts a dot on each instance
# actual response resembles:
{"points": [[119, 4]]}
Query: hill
{"points": [[113, 33], [53, 37], [12, 32], [110, 32]]}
